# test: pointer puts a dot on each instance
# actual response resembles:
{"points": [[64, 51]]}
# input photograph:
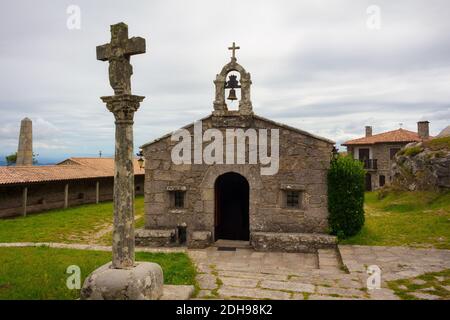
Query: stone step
{"points": [[173, 292], [232, 244], [329, 259]]}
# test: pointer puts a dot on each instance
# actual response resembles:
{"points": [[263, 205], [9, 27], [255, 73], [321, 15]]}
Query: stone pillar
{"points": [[97, 192], [66, 195], [123, 107], [24, 201], [245, 105], [123, 278], [219, 101], [25, 149]]}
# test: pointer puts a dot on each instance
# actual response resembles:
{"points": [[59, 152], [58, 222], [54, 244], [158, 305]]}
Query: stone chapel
{"points": [[198, 203]]}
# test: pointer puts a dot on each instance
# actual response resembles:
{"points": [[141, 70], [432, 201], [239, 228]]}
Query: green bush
{"points": [[346, 197]]}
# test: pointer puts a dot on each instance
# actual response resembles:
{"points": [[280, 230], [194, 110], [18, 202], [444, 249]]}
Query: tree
{"points": [[11, 159], [35, 160]]}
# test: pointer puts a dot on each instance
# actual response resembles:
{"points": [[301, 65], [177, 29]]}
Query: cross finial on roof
{"points": [[234, 48]]}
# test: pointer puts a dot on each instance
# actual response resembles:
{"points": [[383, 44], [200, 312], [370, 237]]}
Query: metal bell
{"points": [[232, 84], [232, 95]]}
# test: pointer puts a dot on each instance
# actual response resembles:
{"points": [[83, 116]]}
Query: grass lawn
{"points": [[434, 283], [417, 219], [40, 273], [72, 225]]}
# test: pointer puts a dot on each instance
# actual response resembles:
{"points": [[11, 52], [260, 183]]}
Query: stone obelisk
{"points": [[123, 278], [25, 149]]}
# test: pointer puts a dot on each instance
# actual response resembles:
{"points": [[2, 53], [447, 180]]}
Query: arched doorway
{"points": [[231, 207]]}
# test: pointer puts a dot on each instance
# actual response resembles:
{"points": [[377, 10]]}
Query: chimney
{"points": [[368, 131], [423, 129], [25, 150]]}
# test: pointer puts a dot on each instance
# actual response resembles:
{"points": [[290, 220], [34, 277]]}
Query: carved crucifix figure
{"points": [[118, 53]]}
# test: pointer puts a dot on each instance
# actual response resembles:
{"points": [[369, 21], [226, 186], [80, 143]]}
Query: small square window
{"points": [[292, 199], [178, 199]]}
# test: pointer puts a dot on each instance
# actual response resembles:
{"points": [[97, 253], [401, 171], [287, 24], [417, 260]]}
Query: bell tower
{"points": [[232, 83]]}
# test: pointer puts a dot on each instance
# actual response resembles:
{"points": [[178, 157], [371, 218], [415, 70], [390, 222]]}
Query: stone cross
{"points": [[118, 54], [123, 105], [234, 48]]}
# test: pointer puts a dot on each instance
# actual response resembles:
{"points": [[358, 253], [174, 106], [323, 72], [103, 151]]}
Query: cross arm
{"points": [[135, 45], [104, 52]]}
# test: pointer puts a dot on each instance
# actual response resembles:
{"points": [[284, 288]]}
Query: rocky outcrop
{"points": [[423, 166]]}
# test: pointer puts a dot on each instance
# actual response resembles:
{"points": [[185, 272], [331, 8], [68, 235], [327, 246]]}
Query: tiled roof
{"points": [[399, 135], [70, 169]]}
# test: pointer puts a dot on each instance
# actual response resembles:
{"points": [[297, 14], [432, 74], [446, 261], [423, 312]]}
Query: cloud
{"points": [[314, 64]]}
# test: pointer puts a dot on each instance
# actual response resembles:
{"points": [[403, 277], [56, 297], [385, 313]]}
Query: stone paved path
{"points": [[246, 274], [394, 262]]}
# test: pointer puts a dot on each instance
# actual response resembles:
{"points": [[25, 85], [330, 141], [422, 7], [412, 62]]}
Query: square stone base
{"points": [[142, 282]]}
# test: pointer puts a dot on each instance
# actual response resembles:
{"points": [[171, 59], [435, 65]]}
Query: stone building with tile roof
{"points": [[377, 151], [74, 181]]}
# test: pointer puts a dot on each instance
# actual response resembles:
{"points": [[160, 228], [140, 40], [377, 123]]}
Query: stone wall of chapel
{"points": [[304, 161]]}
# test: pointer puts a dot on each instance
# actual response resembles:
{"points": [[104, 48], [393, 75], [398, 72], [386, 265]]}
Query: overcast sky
{"points": [[315, 65]]}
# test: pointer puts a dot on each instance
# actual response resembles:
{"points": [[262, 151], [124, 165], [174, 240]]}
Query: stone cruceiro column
{"points": [[123, 108], [123, 278], [25, 149]]}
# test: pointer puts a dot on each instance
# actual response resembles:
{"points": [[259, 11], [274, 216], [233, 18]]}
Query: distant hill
{"points": [[41, 162]]}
